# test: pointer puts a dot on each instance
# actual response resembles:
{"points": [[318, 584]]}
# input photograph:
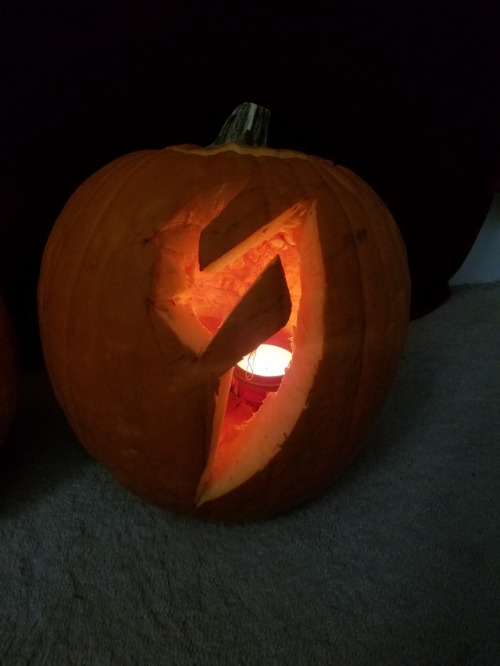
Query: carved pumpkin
{"points": [[9, 375], [166, 267]]}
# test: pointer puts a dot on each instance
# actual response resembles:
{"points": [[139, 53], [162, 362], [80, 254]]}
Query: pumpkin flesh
{"points": [[247, 442]]}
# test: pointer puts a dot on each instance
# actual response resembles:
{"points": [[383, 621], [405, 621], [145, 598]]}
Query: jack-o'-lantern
{"points": [[9, 373], [168, 269]]}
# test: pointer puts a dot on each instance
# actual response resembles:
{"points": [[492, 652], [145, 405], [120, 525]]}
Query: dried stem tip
{"points": [[247, 124]]}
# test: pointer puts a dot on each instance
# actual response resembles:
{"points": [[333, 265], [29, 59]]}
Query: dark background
{"points": [[405, 93]]}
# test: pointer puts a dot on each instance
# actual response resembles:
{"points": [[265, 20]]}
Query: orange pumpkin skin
{"points": [[9, 373], [143, 395]]}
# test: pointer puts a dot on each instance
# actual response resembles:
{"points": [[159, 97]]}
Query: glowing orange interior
{"points": [[195, 304], [211, 296]]}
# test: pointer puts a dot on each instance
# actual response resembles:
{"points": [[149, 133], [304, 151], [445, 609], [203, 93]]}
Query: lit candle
{"points": [[261, 372]]}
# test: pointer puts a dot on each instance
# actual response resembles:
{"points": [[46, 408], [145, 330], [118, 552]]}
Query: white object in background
{"points": [[483, 261]]}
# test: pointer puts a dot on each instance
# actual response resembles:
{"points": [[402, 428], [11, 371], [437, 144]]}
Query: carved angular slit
{"points": [[250, 283]]}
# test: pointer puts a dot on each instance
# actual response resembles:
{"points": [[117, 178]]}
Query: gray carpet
{"points": [[396, 564]]}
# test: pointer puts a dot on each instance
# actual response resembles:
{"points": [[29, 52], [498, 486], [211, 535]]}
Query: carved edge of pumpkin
{"points": [[278, 415], [241, 225], [262, 312]]}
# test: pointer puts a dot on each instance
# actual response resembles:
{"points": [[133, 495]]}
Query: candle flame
{"points": [[266, 361]]}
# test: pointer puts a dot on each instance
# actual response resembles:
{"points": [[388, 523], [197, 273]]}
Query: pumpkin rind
{"points": [[136, 395]]}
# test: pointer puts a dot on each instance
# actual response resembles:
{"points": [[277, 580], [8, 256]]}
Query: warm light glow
{"points": [[266, 361]]}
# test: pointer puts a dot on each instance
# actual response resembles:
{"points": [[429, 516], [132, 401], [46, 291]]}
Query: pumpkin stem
{"points": [[247, 124]]}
